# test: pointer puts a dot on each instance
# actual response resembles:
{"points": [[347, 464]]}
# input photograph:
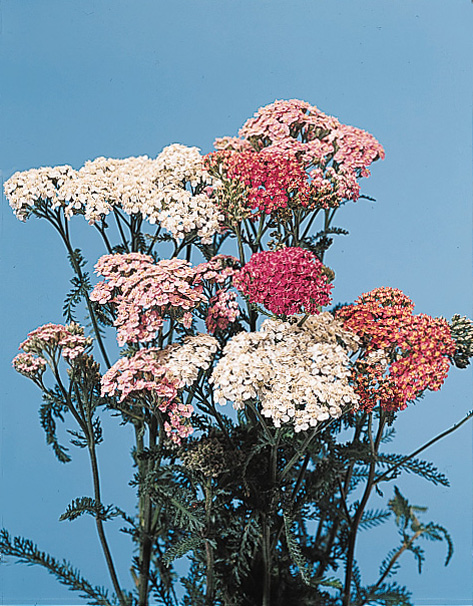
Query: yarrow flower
{"points": [[219, 269], [182, 202], [144, 293], [298, 374], [272, 180], [29, 189], [68, 340], [173, 190], [29, 365], [286, 281], [223, 310], [156, 376], [47, 343], [292, 154], [403, 354]]}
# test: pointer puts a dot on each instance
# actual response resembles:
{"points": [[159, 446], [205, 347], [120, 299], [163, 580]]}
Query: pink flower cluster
{"points": [[155, 377], [218, 269], [147, 374], [223, 310], [297, 125], [403, 354], [49, 338], [145, 292], [29, 365], [49, 341], [286, 281], [273, 180], [291, 153]]}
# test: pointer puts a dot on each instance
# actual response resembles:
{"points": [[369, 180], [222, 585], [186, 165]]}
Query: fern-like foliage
{"points": [[373, 517], [180, 548], [400, 463], [81, 285], [53, 408], [27, 552], [87, 505]]}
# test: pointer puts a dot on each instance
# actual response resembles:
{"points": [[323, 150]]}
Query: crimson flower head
{"points": [[287, 281]]}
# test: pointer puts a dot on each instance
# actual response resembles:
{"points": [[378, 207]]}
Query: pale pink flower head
{"points": [[156, 377], [29, 365], [286, 282], [69, 340], [144, 293], [223, 310]]}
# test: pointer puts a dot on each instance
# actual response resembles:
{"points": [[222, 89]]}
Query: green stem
{"points": [[146, 521], [374, 445], [385, 476], [118, 219], [209, 552], [309, 224], [266, 561], [63, 232], [99, 523]]}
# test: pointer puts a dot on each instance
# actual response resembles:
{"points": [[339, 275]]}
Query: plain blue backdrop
{"points": [[88, 78]]}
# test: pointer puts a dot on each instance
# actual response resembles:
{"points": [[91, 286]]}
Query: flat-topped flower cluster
{"points": [[298, 374], [404, 354], [286, 281], [290, 154], [46, 344], [144, 293], [172, 190]]}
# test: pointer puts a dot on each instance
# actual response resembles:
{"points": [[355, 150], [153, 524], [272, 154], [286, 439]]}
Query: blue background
{"points": [[88, 78]]}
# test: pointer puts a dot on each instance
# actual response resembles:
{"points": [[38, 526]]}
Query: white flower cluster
{"points": [[184, 360], [25, 189], [300, 375], [178, 209], [104, 183], [172, 190]]}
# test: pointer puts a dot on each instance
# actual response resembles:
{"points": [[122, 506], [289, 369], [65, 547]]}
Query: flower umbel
{"points": [[287, 281], [299, 374], [403, 354]]}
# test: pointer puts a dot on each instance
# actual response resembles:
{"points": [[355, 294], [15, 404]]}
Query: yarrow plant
{"points": [[266, 498], [286, 281]]}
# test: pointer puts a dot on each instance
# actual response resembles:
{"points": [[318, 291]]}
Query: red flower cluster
{"points": [[272, 180], [286, 281], [292, 154], [403, 354]]}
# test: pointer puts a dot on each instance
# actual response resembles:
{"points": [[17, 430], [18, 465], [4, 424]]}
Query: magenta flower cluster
{"points": [[287, 281]]}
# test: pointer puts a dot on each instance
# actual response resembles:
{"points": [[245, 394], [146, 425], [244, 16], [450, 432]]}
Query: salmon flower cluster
{"points": [[145, 293], [156, 376], [403, 354], [287, 281]]}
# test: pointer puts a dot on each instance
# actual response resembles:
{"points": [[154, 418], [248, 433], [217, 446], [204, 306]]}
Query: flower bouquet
{"points": [[261, 412]]}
